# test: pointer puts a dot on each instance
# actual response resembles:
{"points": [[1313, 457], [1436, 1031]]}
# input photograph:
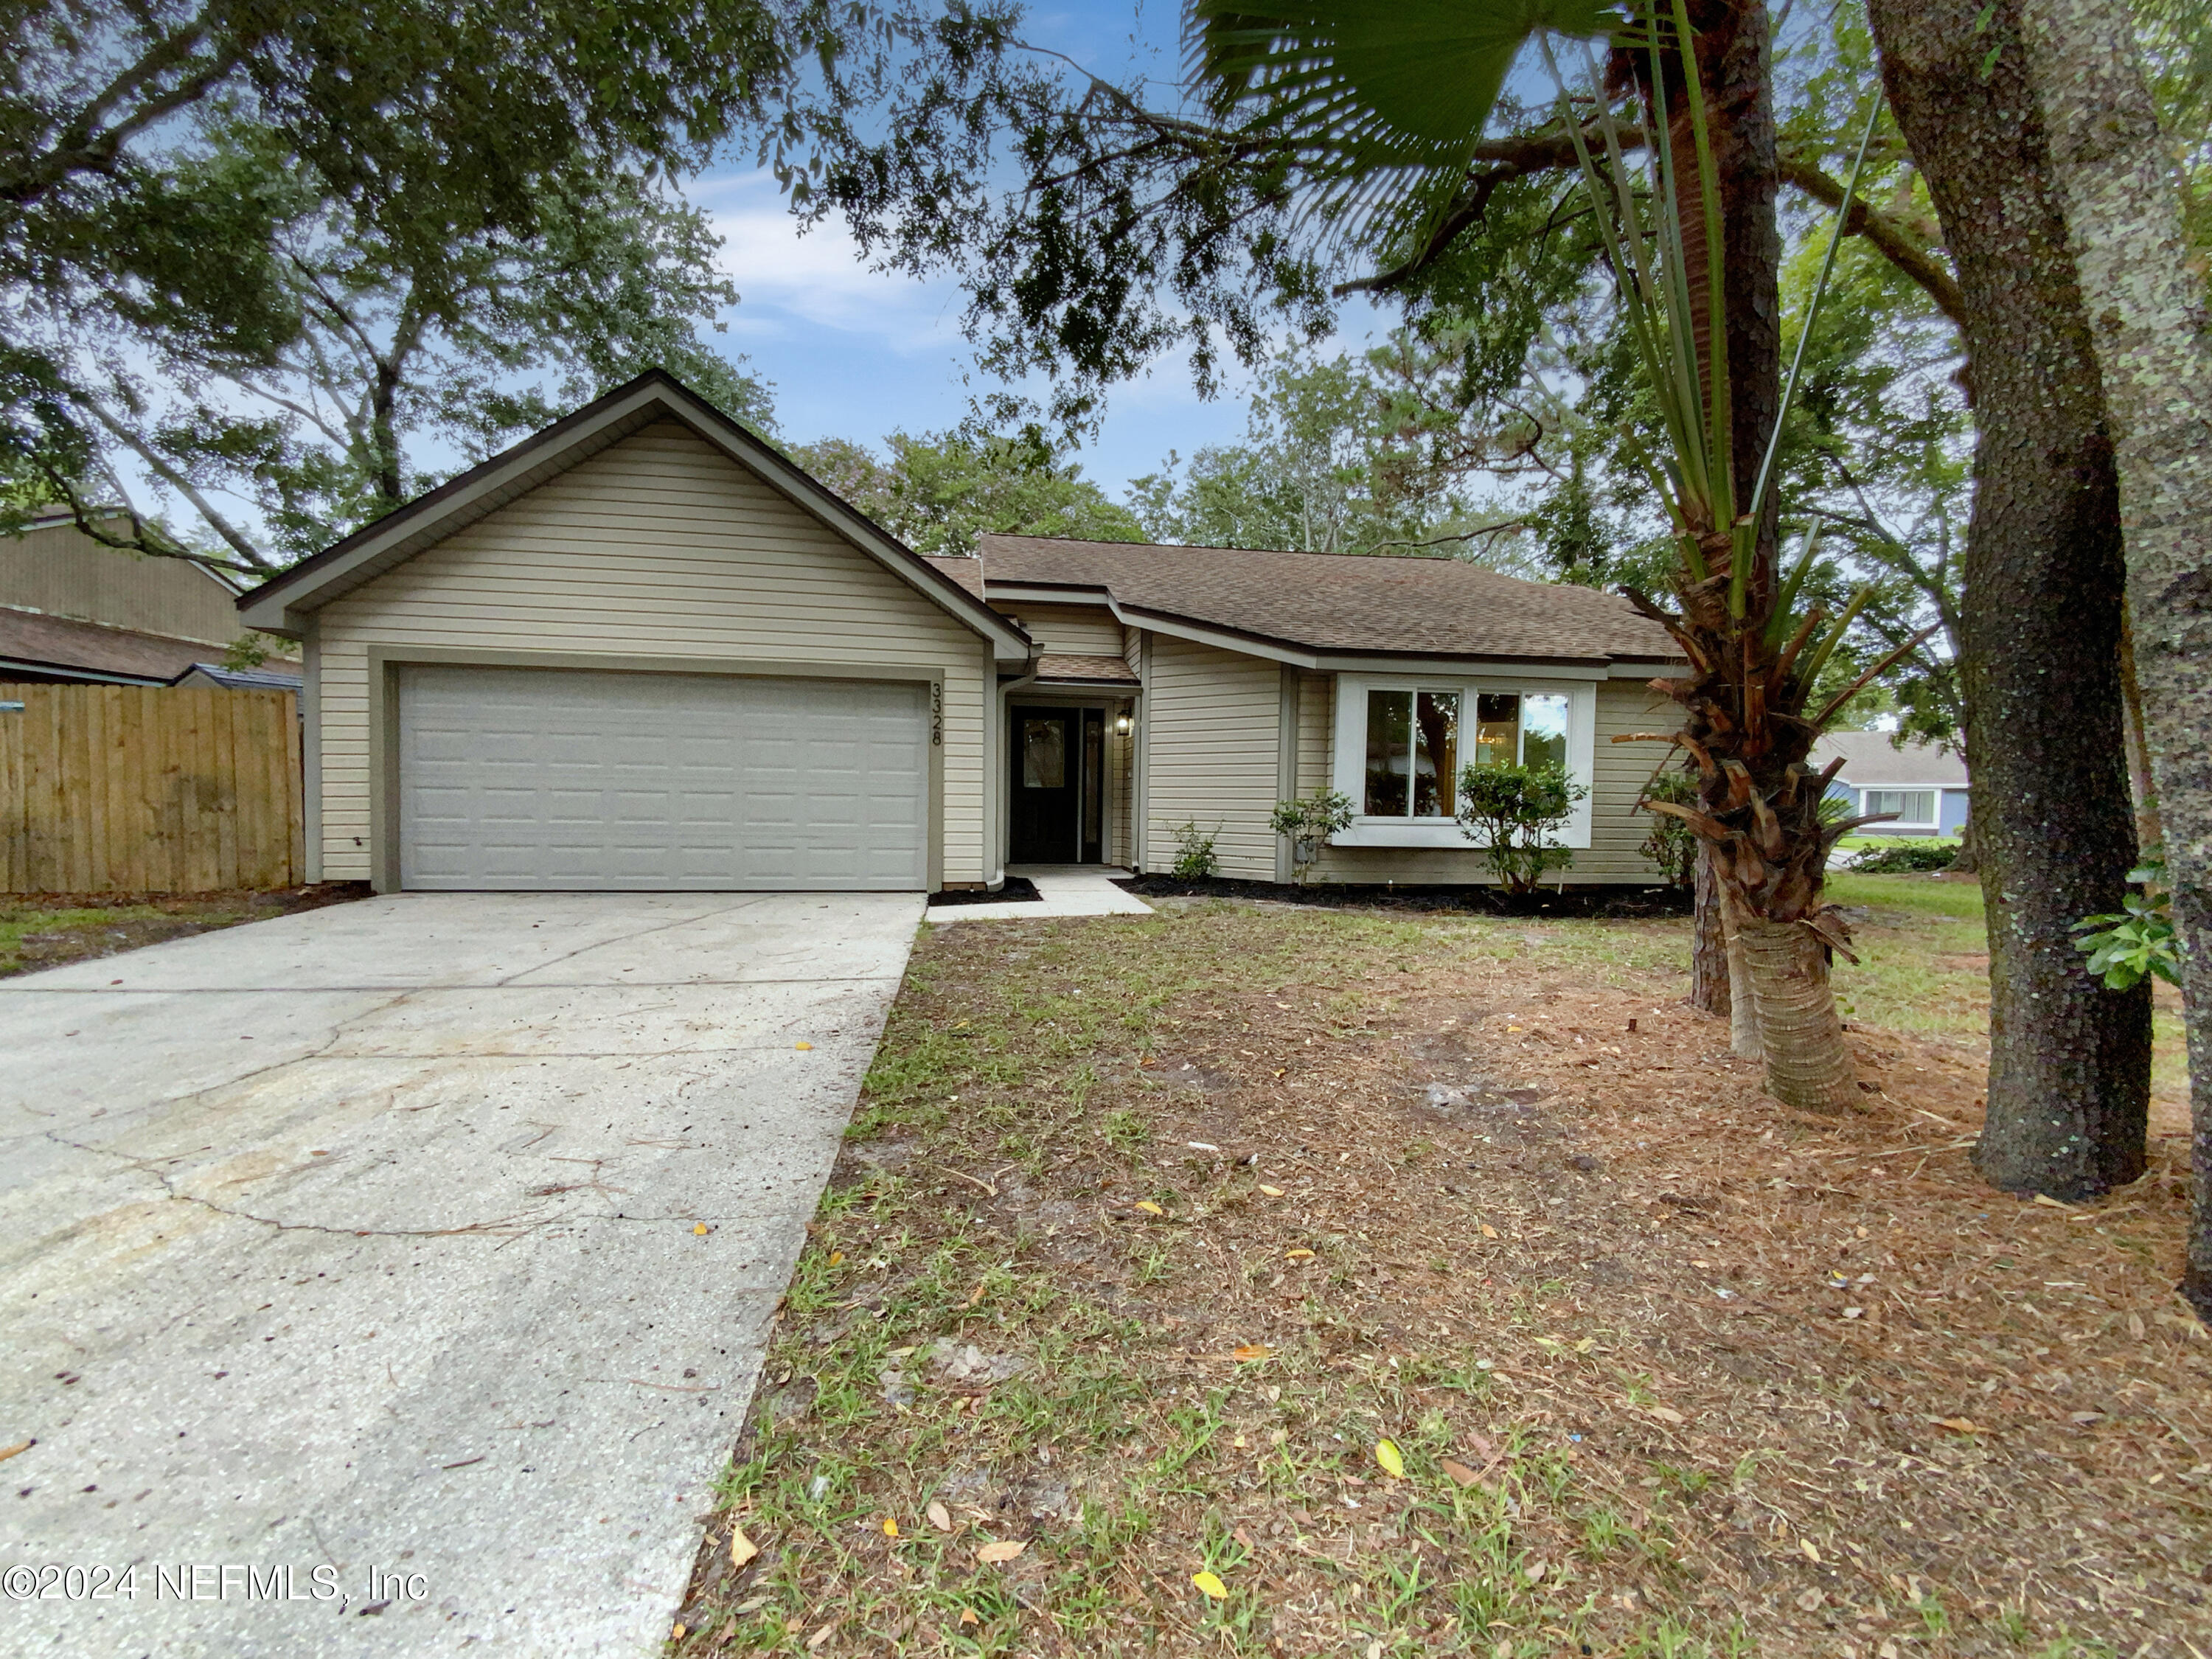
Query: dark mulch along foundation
{"points": [[1018, 889], [1551, 903]]}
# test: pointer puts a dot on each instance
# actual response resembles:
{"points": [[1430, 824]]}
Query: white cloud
{"points": [[791, 283]]}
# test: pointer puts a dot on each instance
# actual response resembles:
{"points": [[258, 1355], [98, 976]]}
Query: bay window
{"points": [[1401, 743]]}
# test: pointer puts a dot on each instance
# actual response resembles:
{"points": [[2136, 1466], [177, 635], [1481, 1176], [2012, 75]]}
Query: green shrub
{"points": [[2126, 944], [1308, 823], [1195, 858], [1511, 812], [1910, 859], [1672, 845]]}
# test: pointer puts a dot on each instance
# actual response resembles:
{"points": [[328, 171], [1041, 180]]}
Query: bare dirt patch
{"points": [[1665, 1370], [45, 930]]}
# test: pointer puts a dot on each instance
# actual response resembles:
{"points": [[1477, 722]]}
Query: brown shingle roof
{"points": [[1052, 666], [1426, 607], [69, 649]]}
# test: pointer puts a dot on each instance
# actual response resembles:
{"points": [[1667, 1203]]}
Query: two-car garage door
{"points": [[554, 779]]}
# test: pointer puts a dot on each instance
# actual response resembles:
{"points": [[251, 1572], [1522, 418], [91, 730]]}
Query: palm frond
{"points": [[1387, 97]]}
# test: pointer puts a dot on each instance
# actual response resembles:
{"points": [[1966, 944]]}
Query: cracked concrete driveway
{"points": [[417, 1251]]}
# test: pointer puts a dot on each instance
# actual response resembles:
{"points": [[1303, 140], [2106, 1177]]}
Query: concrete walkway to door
{"points": [[416, 1252], [1063, 890]]}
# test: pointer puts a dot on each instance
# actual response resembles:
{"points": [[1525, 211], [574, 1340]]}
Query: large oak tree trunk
{"points": [[2122, 206], [2069, 1062]]}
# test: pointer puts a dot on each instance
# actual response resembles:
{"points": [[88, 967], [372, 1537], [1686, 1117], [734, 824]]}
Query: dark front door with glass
{"points": [[1057, 776]]}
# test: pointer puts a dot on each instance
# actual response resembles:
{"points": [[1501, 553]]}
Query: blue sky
{"points": [[859, 353]]}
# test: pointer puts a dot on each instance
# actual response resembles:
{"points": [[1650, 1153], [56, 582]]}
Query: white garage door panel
{"points": [[559, 779]]}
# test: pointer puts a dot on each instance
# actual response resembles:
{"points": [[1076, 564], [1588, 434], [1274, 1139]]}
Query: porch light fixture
{"points": [[1121, 724]]}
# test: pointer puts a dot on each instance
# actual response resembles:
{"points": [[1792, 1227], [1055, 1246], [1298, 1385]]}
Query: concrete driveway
{"points": [[393, 1277]]}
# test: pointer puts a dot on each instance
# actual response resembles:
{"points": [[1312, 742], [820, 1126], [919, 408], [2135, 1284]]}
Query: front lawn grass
{"points": [[1150, 1233], [1924, 967]]}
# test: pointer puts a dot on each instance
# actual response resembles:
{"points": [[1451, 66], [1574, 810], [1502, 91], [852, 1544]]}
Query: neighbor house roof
{"points": [[1318, 604], [1872, 760], [280, 604], [242, 679], [61, 648]]}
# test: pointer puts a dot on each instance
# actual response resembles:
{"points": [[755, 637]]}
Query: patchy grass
{"points": [[1925, 968], [44, 931], [1151, 1231]]}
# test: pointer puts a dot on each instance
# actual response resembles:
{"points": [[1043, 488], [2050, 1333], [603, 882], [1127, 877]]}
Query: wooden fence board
{"points": [[108, 788]]}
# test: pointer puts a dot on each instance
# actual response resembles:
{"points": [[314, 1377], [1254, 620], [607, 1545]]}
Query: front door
{"points": [[1047, 792]]}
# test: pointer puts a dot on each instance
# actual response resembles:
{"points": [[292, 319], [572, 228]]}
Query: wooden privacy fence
{"points": [[149, 789]]}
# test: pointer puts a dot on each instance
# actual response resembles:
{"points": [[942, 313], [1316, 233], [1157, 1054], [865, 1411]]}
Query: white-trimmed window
{"points": [[1403, 740], [1915, 808]]}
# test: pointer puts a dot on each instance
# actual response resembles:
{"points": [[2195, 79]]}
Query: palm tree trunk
{"points": [[2070, 1061], [1807, 1064], [2153, 343], [1710, 959], [1745, 1041]]}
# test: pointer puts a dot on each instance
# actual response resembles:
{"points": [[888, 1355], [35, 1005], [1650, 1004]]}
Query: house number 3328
{"points": [[937, 714]]}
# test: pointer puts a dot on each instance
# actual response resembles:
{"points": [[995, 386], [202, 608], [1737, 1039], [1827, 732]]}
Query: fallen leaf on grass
{"points": [[1461, 1474], [1959, 1424], [837, 1256], [2049, 1202], [968, 1616], [821, 1636], [1213, 1588], [1298, 1256], [1489, 1231], [1272, 1192], [1004, 1549], [742, 1548], [1666, 1414], [890, 1527], [1386, 1453], [1811, 1555], [1254, 1350], [939, 1516], [1536, 1571], [752, 1605], [1148, 1208]]}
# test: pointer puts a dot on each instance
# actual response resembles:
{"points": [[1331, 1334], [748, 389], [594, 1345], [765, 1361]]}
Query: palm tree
{"points": [[1391, 99]]}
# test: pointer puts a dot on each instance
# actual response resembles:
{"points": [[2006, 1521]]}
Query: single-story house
{"points": [[75, 612], [642, 649], [1924, 785]]}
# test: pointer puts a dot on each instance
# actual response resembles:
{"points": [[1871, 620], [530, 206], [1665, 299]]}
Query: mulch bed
{"points": [[1140, 1287], [1550, 903], [1016, 890]]}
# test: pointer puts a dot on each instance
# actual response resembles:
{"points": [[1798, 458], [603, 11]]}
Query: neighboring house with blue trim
{"points": [[1925, 786]]}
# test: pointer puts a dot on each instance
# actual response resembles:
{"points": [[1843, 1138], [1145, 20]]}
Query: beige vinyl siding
{"points": [[1317, 730], [1618, 771], [1069, 630], [59, 571], [1212, 753], [659, 546]]}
